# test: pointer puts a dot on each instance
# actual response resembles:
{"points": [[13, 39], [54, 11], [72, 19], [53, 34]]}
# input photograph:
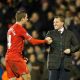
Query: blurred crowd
{"points": [[41, 14]]}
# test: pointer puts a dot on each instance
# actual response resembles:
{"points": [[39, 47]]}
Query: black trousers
{"points": [[59, 74]]}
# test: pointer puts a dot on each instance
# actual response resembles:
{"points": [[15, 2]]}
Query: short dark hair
{"points": [[61, 18], [20, 14]]}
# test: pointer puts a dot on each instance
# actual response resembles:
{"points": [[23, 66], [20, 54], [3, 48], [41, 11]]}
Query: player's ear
{"points": [[22, 19]]}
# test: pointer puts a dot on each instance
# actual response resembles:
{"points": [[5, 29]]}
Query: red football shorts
{"points": [[16, 68]]}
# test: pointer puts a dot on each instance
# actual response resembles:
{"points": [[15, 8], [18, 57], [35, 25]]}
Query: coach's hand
{"points": [[49, 40], [67, 51]]}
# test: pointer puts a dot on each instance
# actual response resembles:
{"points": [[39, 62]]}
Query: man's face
{"points": [[25, 19], [57, 23]]}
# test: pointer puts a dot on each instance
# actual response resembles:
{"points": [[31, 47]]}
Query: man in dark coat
{"points": [[60, 56]]}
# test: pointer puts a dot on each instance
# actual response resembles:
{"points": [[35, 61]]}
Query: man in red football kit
{"points": [[15, 63]]}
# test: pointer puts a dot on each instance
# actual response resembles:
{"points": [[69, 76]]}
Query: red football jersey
{"points": [[15, 36]]}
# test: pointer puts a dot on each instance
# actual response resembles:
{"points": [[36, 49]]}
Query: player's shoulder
{"points": [[16, 27], [13, 27]]}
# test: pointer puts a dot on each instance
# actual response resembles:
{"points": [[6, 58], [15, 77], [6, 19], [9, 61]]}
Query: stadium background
{"points": [[41, 14]]}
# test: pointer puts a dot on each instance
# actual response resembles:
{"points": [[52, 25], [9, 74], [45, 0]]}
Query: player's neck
{"points": [[19, 23]]}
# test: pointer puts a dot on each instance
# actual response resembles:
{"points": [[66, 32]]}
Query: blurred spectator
{"points": [[3, 34], [3, 28], [34, 68], [10, 13], [45, 7], [29, 27], [68, 18], [1, 52], [35, 20], [28, 51], [75, 27], [34, 17], [59, 2], [1, 71], [35, 34], [37, 50], [77, 3], [2, 13], [78, 14], [1, 61], [72, 8], [76, 68], [50, 16]]}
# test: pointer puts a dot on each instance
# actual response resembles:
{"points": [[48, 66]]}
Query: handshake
{"points": [[49, 40]]}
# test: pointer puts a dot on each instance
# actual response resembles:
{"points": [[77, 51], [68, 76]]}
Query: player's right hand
{"points": [[25, 59]]}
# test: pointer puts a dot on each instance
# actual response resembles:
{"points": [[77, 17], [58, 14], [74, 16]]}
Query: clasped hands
{"points": [[49, 40]]}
